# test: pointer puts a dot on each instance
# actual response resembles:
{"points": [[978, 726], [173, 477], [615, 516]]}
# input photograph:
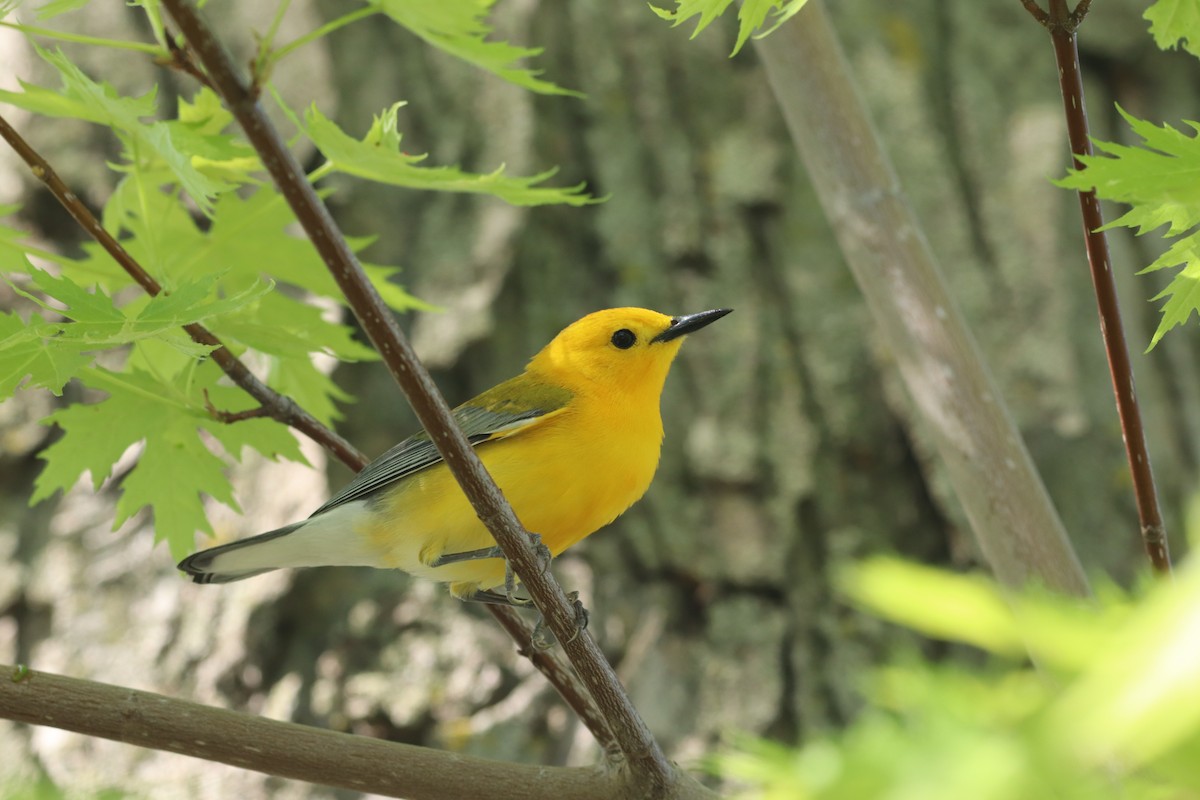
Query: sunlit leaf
{"points": [[131, 118], [377, 157], [1160, 180], [459, 27], [1141, 697], [31, 356], [757, 18], [1175, 22]]}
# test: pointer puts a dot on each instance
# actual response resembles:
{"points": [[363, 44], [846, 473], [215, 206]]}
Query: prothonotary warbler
{"points": [[573, 441]]}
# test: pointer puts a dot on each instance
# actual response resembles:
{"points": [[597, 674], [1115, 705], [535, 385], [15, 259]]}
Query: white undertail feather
{"points": [[325, 540]]}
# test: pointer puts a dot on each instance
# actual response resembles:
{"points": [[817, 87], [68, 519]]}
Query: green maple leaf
{"points": [[459, 28], [377, 157], [281, 326], [56, 7], [78, 304], [248, 239], [1182, 294], [200, 132], [1160, 180], [175, 467], [268, 437], [312, 389], [96, 322], [1173, 22], [30, 355], [50, 352], [93, 440], [249, 236], [193, 302]]}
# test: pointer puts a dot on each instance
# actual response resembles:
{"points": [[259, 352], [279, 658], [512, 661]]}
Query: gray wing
{"points": [[482, 419]]}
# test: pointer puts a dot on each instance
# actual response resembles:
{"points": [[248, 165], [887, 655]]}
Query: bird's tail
{"points": [[236, 560], [331, 538]]}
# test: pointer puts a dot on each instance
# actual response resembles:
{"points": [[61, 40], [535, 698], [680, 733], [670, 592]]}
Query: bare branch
{"points": [[650, 771], [300, 752], [1112, 328], [1037, 11], [1060, 20], [181, 59], [1080, 12]]}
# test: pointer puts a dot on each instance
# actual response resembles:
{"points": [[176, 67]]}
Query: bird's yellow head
{"points": [[621, 351]]}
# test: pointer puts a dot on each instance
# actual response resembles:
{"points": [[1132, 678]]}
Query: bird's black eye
{"points": [[624, 339]]}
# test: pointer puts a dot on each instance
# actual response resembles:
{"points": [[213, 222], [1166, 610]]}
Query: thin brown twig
{"points": [[1080, 12], [181, 59], [1058, 19], [1062, 25], [277, 406], [1037, 11], [233, 416], [652, 774], [559, 676]]}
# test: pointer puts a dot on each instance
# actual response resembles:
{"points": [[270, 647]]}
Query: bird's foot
{"points": [[543, 639], [488, 597], [543, 555], [542, 552]]}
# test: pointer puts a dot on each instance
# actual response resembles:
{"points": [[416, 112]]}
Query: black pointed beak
{"points": [[689, 323]]}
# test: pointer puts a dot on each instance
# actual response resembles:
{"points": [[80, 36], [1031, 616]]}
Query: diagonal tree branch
{"points": [[301, 752], [651, 773], [274, 405], [1011, 515], [1062, 24]]}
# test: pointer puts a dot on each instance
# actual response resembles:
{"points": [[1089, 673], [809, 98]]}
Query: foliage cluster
{"points": [[1108, 705]]}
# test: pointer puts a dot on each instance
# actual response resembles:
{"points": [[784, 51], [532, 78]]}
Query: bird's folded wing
{"points": [[515, 405]]}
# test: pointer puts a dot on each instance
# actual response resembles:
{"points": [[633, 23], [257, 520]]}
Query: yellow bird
{"points": [[573, 441]]}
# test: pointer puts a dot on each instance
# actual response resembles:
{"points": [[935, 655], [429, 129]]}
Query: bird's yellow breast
{"points": [[566, 477]]}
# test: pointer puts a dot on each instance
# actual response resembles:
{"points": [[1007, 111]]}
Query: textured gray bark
{"points": [[788, 446]]}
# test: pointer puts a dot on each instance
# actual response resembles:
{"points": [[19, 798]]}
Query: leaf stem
{"points": [[1062, 24], [326, 29], [78, 38], [320, 172], [264, 45]]}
